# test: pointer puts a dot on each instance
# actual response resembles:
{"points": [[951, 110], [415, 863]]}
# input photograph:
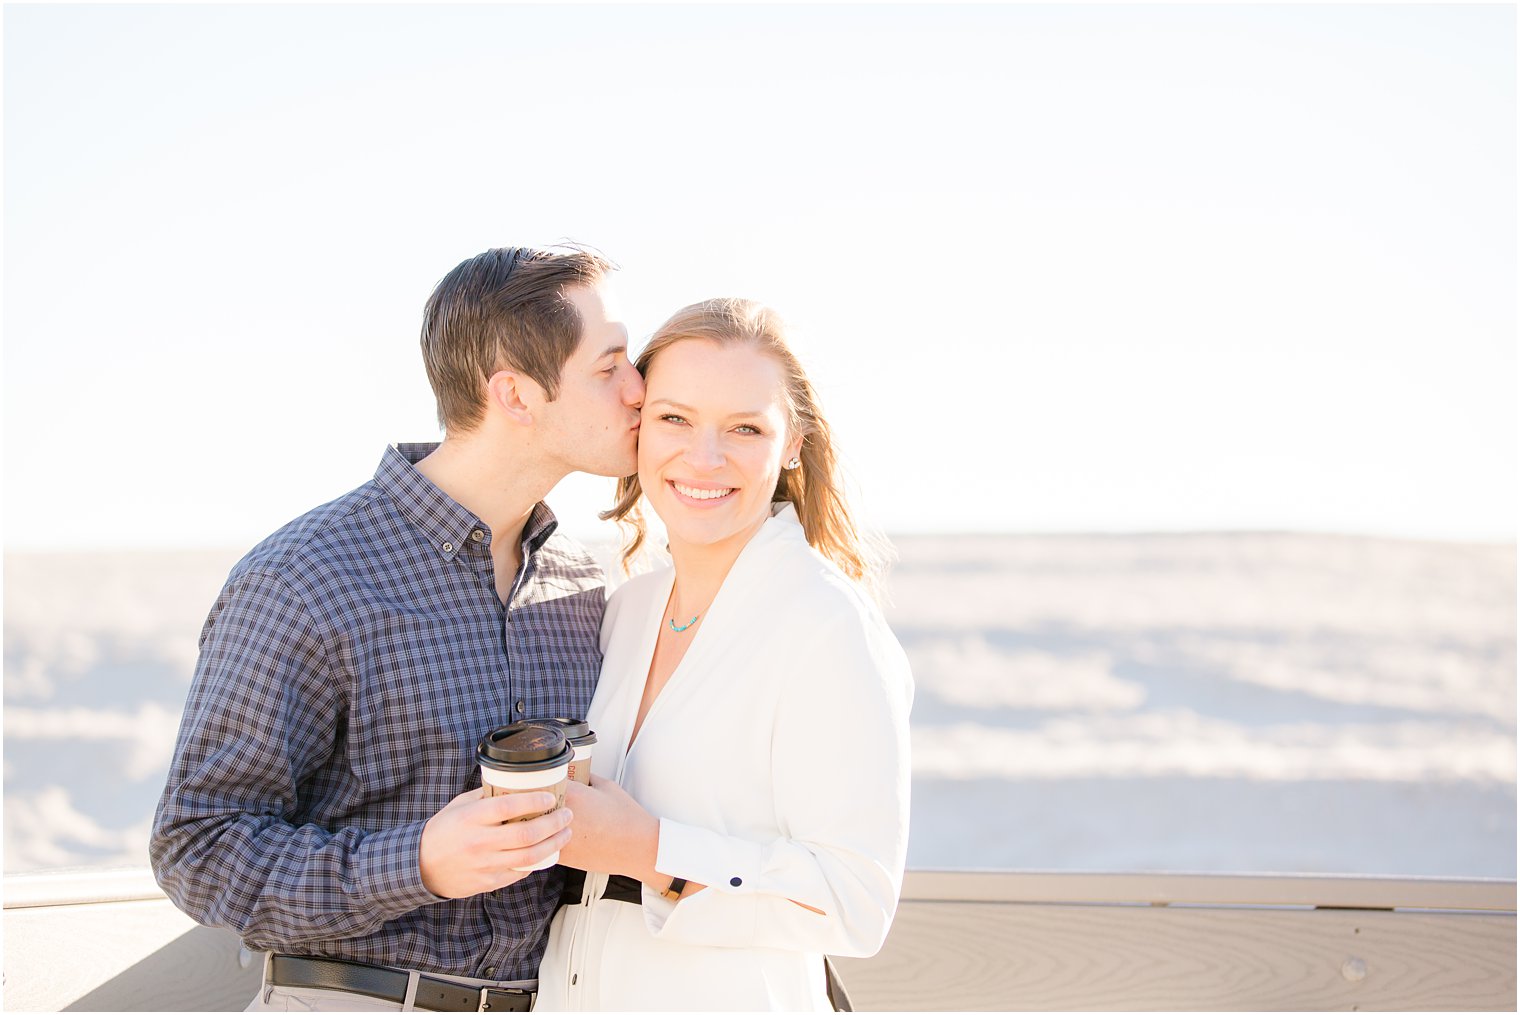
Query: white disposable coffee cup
{"points": [[526, 758], [582, 739]]}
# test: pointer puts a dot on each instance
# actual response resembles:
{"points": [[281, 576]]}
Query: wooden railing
{"points": [[963, 940], [1156, 942]]}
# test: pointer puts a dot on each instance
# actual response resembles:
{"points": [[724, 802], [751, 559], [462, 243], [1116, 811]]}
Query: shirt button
{"points": [[448, 547], [477, 535], [736, 882], [522, 706], [490, 970]]}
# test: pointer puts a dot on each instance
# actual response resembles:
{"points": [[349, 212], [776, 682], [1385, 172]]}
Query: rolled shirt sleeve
{"points": [[227, 844], [840, 767]]}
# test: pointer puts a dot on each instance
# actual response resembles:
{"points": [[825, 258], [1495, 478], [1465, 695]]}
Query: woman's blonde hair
{"points": [[816, 488]]}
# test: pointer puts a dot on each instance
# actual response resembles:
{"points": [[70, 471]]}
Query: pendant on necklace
{"points": [[678, 630]]}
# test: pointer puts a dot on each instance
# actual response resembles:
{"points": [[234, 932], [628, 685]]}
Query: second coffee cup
{"points": [[526, 757], [582, 739]]}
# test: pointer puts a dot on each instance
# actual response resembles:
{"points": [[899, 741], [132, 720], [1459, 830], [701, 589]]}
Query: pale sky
{"points": [[1053, 268]]}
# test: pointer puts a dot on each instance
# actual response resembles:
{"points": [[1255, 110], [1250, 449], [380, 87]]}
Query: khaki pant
{"points": [[311, 999]]}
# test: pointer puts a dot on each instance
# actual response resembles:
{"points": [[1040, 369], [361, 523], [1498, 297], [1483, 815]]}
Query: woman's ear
{"points": [[514, 395], [793, 451]]}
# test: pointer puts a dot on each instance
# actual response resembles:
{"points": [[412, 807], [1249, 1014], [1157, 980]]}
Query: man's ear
{"points": [[515, 395]]}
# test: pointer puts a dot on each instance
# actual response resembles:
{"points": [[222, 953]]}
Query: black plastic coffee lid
{"points": [[578, 731], [524, 747]]}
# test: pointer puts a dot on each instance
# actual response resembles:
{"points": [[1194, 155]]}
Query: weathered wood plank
{"points": [[81, 885], [991, 956], [1344, 891], [121, 956]]}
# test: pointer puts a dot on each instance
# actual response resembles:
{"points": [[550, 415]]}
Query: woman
{"points": [[749, 808]]}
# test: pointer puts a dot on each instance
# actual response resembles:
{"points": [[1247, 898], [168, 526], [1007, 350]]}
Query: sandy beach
{"points": [[1213, 702]]}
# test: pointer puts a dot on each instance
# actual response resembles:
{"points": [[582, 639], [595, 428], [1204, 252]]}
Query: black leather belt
{"points": [[624, 889], [433, 994], [619, 888]]}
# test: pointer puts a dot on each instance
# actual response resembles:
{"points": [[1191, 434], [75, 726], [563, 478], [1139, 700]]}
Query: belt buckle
{"points": [[511, 998]]}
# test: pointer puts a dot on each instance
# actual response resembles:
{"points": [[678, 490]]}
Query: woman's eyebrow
{"points": [[746, 414]]}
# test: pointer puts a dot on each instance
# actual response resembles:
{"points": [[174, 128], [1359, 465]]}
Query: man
{"points": [[323, 799]]}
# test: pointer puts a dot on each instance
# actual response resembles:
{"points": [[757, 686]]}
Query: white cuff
{"points": [[729, 867], [721, 862]]}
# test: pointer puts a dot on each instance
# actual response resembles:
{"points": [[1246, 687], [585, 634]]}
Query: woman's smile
{"points": [[714, 436], [702, 495]]}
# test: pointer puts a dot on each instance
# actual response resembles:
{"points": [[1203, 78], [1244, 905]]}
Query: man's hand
{"points": [[466, 850], [613, 833]]}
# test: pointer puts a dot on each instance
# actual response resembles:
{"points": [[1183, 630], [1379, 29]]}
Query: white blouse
{"points": [[776, 758]]}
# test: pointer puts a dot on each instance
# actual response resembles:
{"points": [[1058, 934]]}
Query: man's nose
{"points": [[633, 391]]}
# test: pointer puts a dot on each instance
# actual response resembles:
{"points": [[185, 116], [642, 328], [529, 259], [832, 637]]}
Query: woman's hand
{"points": [[612, 833]]}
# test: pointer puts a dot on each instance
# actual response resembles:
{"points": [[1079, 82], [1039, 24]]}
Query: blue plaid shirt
{"points": [[347, 671]]}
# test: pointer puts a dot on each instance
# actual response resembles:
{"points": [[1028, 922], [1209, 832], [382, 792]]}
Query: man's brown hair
{"points": [[503, 309]]}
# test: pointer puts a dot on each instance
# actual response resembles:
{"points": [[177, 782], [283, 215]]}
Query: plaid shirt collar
{"points": [[447, 523]]}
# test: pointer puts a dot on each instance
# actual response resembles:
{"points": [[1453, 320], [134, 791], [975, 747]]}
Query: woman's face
{"points": [[712, 441]]}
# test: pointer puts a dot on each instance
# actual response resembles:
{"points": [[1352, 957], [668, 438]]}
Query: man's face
{"points": [[594, 423]]}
